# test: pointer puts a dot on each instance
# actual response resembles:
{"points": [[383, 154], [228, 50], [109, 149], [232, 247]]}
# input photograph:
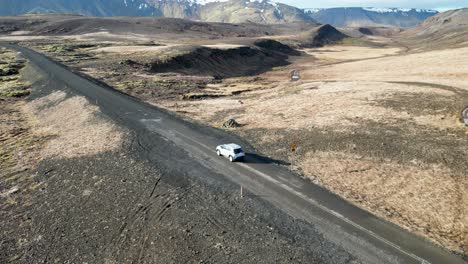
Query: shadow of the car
{"points": [[252, 158]]}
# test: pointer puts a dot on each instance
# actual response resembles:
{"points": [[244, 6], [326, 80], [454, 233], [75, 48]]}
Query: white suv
{"points": [[232, 151]]}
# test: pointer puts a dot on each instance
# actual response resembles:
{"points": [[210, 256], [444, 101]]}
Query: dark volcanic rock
{"points": [[231, 123], [8, 72], [222, 63], [366, 31], [128, 62], [277, 46]]}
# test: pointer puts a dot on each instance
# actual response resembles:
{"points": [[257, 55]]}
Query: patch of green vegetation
{"points": [[130, 85], [4, 50], [10, 84], [167, 56], [23, 142], [4, 79], [70, 48], [32, 140], [150, 44], [13, 87], [6, 158], [14, 177], [15, 93], [56, 48]]}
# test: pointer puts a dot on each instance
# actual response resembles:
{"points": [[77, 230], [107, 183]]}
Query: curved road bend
{"points": [[371, 239]]}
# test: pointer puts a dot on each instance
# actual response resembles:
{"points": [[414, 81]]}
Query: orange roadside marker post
{"points": [[293, 147]]}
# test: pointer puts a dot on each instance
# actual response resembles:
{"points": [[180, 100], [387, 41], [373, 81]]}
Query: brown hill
{"points": [[222, 63], [54, 25], [262, 12], [448, 29], [69, 25], [316, 37]]}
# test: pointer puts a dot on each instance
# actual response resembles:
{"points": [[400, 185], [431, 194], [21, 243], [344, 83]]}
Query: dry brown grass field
{"points": [[374, 125]]}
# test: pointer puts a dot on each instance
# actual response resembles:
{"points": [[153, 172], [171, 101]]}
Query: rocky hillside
{"points": [[232, 11], [164, 8], [453, 19], [316, 37], [82, 7], [446, 29], [257, 11], [370, 17]]}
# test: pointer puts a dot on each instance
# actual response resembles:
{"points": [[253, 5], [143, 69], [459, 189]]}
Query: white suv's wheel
{"points": [[231, 159], [218, 152]]}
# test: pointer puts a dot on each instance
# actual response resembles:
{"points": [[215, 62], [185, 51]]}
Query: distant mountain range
{"points": [[257, 11], [370, 17], [229, 11], [232, 11]]}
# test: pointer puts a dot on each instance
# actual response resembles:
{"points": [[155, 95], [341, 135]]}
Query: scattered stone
{"points": [[8, 72], [128, 62], [231, 123], [9, 192], [218, 246]]}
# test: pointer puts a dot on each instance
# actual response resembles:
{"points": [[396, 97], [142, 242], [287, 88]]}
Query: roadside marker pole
{"points": [[242, 192]]}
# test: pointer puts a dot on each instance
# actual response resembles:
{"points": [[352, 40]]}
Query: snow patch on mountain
{"points": [[312, 10], [398, 10], [204, 2]]}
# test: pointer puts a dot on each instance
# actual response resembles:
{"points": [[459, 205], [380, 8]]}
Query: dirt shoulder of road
{"points": [[19, 145], [11, 84], [54, 126]]}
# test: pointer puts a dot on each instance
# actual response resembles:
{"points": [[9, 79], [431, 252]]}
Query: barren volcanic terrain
{"points": [[375, 119]]}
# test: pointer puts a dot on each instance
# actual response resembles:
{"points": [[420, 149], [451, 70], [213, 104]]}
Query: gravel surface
{"points": [[117, 208]]}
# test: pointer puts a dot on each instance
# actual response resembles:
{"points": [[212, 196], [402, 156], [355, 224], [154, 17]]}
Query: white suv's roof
{"points": [[233, 146]]}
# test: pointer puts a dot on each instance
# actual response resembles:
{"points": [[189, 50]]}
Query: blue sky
{"points": [[441, 5]]}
